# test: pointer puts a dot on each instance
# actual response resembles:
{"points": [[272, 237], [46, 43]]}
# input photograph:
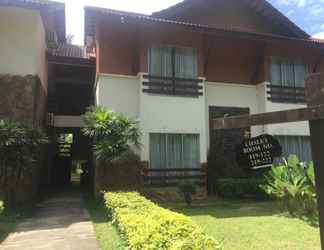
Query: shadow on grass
{"points": [[107, 234], [226, 208]]}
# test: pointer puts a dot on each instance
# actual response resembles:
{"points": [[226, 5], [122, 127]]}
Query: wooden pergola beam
{"points": [[294, 115]]}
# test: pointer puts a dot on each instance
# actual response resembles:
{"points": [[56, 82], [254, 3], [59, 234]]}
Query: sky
{"points": [[307, 14]]}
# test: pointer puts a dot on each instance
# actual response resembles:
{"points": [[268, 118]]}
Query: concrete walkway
{"points": [[59, 223]]}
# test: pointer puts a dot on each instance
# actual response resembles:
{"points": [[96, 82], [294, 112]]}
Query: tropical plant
{"points": [[187, 189], [293, 184], [2, 207], [113, 133], [19, 154]]}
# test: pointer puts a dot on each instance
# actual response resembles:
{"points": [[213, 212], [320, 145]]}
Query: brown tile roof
{"points": [[43, 5], [92, 12], [68, 50], [262, 7]]}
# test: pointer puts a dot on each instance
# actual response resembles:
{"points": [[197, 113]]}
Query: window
{"points": [[176, 62], [287, 81], [296, 145], [174, 150], [173, 71], [288, 73]]}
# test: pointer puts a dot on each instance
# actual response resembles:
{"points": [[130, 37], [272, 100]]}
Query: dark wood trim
{"points": [[173, 92], [175, 170], [293, 115], [177, 85], [174, 177], [172, 184], [177, 79], [284, 87]]}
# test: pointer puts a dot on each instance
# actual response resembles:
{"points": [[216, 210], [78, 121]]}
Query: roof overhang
{"points": [[92, 14], [262, 7], [44, 6]]}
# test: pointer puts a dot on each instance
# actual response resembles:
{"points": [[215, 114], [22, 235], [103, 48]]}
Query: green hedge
{"points": [[144, 225], [1, 206], [234, 188]]}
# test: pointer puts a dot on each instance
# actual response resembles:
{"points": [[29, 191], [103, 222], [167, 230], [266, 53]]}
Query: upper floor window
{"points": [[287, 73], [287, 81], [177, 62], [173, 71]]}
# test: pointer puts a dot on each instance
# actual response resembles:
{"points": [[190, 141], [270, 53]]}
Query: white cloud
{"points": [[319, 35], [299, 3], [316, 10], [290, 13]]}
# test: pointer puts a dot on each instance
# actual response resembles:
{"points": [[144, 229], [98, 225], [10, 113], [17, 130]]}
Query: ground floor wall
{"points": [[183, 115]]}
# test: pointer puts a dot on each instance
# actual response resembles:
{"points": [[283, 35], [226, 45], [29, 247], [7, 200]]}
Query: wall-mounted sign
{"points": [[258, 152]]}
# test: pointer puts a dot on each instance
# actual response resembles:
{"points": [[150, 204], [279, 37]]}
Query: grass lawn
{"points": [[251, 225], [107, 234]]}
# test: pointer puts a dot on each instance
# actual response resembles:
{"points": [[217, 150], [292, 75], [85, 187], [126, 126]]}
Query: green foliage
{"points": [[2, 207], [237, 188], [19, 154], [113, 133], [144, 225], [293, 185], [187, 189]]}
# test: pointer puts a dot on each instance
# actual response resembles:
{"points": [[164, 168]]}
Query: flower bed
{"points": [[144, 225]]}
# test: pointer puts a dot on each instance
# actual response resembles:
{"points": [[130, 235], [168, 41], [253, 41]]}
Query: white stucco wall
{"points": [[120, 93], [172, 114], [293, 128], [186, 115], [22, 43]]}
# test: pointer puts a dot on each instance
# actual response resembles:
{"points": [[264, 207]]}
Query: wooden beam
{"points": [[294, 115], [315, 96]]}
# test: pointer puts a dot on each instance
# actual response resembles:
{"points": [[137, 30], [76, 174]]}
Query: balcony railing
{"points": [[284, 94], [162, 177], [172, 86]]}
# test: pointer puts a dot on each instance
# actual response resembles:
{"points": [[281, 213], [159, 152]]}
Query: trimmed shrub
{"points": [[234, 188], [144, 225], [1, 207], [187, 189]]}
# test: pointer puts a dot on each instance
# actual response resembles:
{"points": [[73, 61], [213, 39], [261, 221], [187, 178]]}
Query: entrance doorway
{"points": [[72, 161]]}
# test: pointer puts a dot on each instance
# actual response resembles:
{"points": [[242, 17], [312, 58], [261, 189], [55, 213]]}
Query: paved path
{"points": [[59, 223]]}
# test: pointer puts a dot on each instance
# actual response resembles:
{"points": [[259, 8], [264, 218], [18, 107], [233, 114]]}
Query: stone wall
{"points": [[22, 98]]}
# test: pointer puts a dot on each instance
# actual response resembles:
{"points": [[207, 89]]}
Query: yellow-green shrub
{"points": [[1, 206], [144, 225]]}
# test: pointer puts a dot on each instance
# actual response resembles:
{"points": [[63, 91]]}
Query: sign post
{"points": [[315, 96], [314, 113]]}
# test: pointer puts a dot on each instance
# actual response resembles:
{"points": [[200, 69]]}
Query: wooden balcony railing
{"points": [[163, 177], [172, 86], [284, 94]]}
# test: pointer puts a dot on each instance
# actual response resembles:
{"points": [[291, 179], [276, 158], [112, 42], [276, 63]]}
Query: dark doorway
{"points": [[222, 158], [72, 161]]}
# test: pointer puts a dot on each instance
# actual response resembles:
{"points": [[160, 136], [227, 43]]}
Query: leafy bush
{"points": [[187, 189], [144, 225], [1, 207], [234, 188], [293, 185], [19, 154], [113, 133]]}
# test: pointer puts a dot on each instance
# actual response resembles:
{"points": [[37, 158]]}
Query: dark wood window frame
{"points": [[286, 94], [174, 86]]}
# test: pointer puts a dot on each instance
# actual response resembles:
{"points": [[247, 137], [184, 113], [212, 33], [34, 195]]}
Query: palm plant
{"points": [[113, 133]]}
